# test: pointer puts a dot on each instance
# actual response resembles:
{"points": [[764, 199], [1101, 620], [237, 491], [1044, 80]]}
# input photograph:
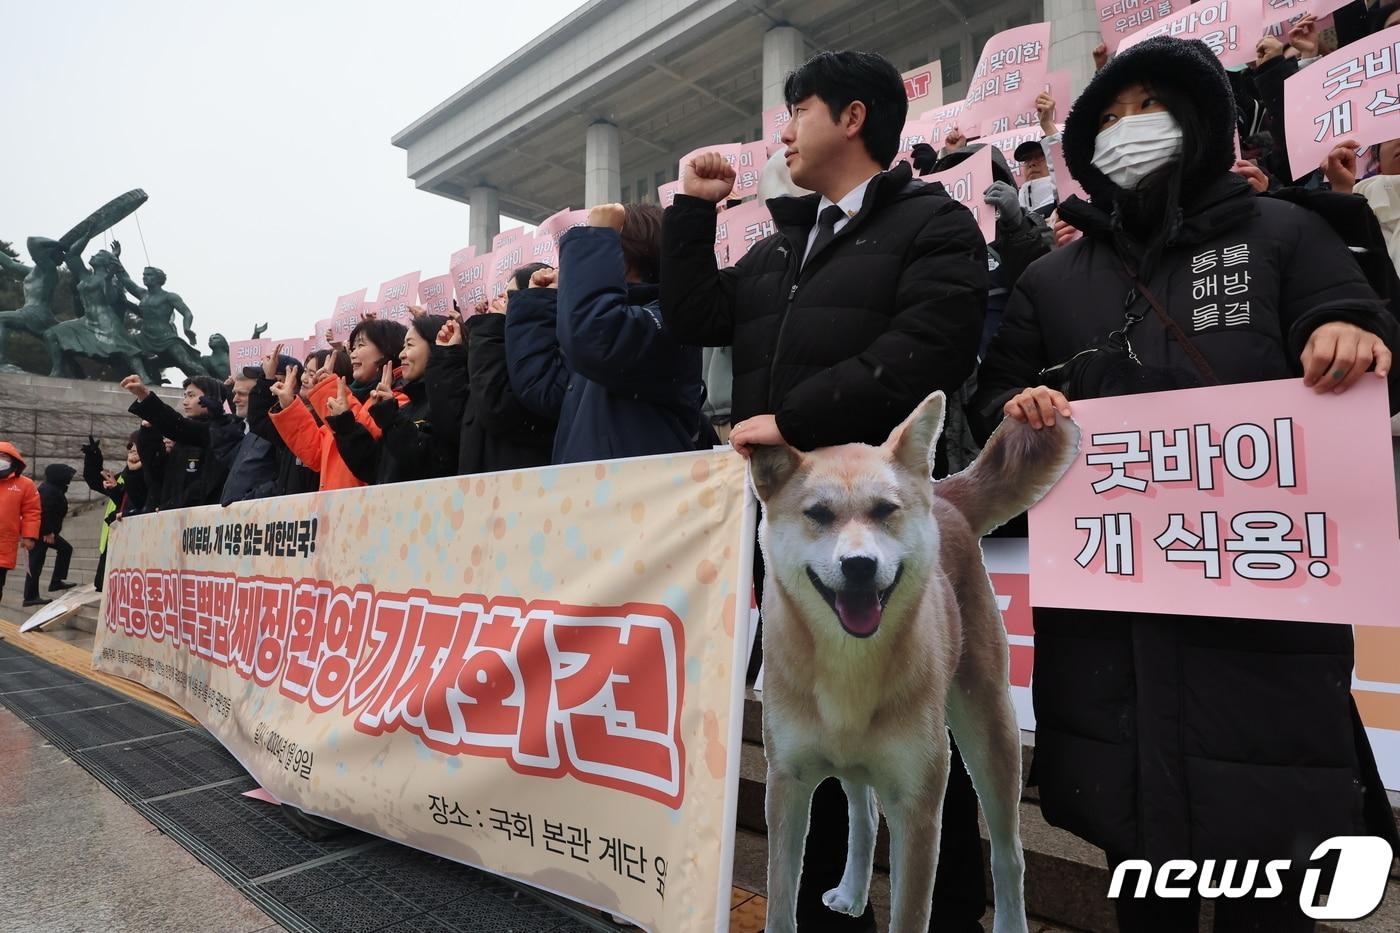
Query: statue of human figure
{"points": [[216, 362], [36, 314], [158, 340], [101, 332]]}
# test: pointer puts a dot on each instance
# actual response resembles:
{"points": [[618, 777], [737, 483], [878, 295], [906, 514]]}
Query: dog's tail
{"points": [[1012, 473]]}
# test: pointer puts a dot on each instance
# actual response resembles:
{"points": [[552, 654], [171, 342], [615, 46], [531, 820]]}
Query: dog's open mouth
{"points": [[857, 610]]}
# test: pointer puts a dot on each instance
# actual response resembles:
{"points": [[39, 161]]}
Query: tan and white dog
{"points": [[880, 632]]}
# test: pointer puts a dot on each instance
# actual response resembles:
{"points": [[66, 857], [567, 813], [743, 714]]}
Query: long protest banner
{"points": [[535, 672], [1354, 93], [1258, 501]]}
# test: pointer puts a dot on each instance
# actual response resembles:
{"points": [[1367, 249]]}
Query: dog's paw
{"points": [[844, 902]]}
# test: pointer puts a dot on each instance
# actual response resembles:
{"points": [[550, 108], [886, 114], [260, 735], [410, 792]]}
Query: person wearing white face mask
{"points": [[1164, 736], [20, 510]]}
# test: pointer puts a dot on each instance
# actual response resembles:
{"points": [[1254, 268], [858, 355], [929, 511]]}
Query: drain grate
{"points": [[185, 783]]}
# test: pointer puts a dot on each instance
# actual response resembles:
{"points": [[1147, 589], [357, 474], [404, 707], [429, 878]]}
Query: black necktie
{"points": [[826, 229]]}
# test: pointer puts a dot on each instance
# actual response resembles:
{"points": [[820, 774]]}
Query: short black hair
{"points": [[427, 326], [839, 78], [207, 385], [522, 275], [385, 335]]}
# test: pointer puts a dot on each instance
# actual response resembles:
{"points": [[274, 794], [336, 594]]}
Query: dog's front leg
{"points": [[788, 807], [864, 820], [915, 824]]}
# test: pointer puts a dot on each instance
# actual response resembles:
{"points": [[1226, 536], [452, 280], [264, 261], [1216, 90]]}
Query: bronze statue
{"points": [[158, 340], [36, 314], [258, 331], [216, 362], [101, 332]]}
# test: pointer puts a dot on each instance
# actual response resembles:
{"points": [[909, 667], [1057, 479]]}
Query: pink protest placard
{"points": [[1257, 501], [298, 347], [1007, 143], [1009, 75], [965, 183], [775, 119], [924, 86], [1354, 93], [347, 313], [1065, 183], [243, 353], [504, 262], [541, 248], [1056, 83], [1230, 27], [739, 228], [470, 273], [507, 238], [1279, 11], [749, 169], [914, 133], [555, 224], [1120, 18], [730, 152], [395, 297], [318, 339], [435, 294], [666, 194]]}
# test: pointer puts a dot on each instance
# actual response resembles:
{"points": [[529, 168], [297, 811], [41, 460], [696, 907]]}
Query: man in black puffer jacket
{"points": [[870, 296], [53, 496]]}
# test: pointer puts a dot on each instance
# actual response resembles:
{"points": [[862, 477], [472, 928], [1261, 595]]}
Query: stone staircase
{"points": [[1066, 878]]}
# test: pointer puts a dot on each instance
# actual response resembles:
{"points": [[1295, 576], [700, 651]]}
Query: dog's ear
{"points": [[771, 467], [911, 444]]}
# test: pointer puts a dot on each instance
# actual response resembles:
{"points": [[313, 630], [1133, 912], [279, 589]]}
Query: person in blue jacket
{"points": [[594, 351]]}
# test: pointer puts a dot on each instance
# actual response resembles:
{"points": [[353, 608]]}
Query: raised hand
{"points": [[269, 362], [607, 215], [1302, 38], [339, 403], [1100, 56], [136, 387], [285, 389], [498, 304], [385, 390], [955, 140], [708, 176], [1340, 166], [450, 335], [546, 278]]}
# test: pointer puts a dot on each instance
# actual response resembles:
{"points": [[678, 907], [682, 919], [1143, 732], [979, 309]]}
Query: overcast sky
{"points": [[259, 129]]}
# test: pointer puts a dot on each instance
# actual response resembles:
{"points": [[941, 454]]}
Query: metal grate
{"points": [[185, 783]]}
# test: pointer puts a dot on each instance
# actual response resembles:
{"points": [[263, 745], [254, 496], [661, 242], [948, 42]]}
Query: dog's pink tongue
{"points": [[859, 613]]}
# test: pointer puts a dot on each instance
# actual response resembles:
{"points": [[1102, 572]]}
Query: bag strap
{"points": [[1173, 328]]}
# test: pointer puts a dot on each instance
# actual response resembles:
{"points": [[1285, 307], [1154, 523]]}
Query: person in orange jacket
{"points": [[372, 343], [20, 511]]}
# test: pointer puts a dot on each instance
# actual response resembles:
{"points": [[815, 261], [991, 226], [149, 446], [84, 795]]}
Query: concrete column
{"points": [[602, 165], [485, 218], [784, 48], [1074, 34]]}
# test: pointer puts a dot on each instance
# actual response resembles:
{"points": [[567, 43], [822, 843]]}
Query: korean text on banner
{"points": [[541, 248], [966, 182], [1354, 93], [1010, 74], [1057, 83], [347, 314], [479, 667], [1257, 501], [1277, 11], [469, 277], [395, 297], [748, 169], [1007, 143], [730, 152], [555, 224], [775, 119], [1119, 18], [1230, 27], [435, 295], [924, 86], [739, 228], [247, 353], [914, 133], [504, 262], [941, 121]]}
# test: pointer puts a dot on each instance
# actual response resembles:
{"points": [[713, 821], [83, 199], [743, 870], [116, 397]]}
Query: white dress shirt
{"points": [[851, 204]]}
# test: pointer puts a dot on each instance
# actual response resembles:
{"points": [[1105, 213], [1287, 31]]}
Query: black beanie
{"points": [[1185, 64]]}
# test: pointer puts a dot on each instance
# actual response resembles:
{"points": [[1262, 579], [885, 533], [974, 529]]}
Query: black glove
{"points": [[924, 157], [92, 448]]}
